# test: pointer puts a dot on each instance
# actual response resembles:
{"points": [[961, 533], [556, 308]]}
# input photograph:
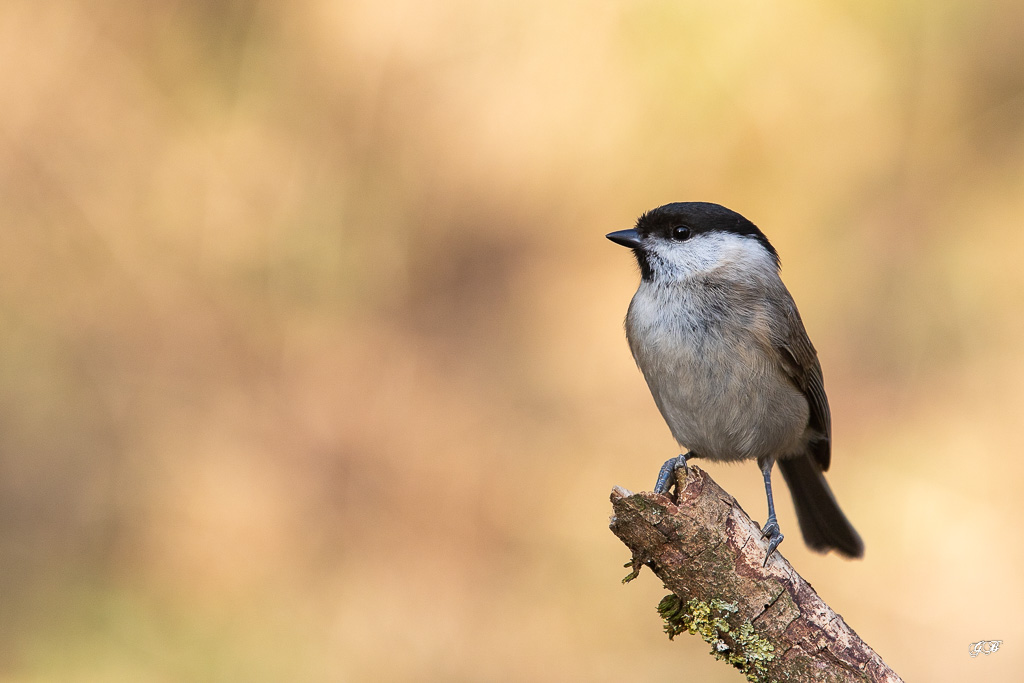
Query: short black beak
{"points": [[627, 238]]}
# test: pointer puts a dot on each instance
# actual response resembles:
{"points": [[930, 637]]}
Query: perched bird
{"points": [[725, 354]]}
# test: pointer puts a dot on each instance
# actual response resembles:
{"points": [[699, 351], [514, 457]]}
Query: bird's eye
{"points": [[680, 233]]}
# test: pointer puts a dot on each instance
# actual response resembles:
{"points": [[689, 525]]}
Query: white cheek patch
{"points": [[707, 252]]}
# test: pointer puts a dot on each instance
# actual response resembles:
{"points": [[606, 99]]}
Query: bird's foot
{"points": [[773, 533], [666, 477]]}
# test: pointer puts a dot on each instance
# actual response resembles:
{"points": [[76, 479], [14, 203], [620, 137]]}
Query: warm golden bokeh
{"points": [[312, 353]]}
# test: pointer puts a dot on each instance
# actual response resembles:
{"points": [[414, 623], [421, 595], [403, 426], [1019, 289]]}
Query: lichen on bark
{"points": [[741, 646]]}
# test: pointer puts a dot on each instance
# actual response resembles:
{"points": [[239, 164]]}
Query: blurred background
{"points": [[311, 353]]}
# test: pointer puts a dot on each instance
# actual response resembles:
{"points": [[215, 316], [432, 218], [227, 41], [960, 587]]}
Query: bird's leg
{"points": [[665, 478], [771, 529]]}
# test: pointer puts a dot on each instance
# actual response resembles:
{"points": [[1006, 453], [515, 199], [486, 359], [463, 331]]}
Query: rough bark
{"points": [[765, 620]]}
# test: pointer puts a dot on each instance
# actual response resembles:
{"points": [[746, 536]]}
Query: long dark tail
{"points": [[822, 523]]}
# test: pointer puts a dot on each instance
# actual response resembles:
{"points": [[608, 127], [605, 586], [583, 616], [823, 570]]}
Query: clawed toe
{"points": [[774, 535], [665, 476]]}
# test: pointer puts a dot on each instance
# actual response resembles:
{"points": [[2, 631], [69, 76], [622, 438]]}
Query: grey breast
{"points": [[708, 359]]}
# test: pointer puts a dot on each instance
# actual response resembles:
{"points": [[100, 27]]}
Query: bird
{"points": [[717, 335]]}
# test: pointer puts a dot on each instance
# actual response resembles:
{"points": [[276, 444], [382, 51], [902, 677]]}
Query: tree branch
{"points": [[766, 621]]}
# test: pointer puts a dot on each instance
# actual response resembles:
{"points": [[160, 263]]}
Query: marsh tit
{"points": [[719, 340]]}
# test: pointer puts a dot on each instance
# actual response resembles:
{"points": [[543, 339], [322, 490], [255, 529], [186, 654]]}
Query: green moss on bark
{"points": [[742, 646]]}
